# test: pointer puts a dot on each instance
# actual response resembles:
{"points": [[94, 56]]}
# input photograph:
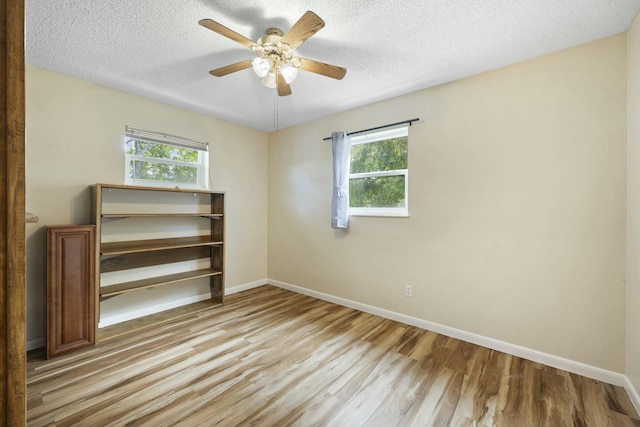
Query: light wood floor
{"points": [[270, 357]]}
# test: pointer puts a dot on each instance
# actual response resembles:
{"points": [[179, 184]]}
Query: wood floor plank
{"points": [[363, 404], [271, 357]]}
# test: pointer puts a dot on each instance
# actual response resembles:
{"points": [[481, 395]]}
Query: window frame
{"points": [[202, 166], [376, 136]]}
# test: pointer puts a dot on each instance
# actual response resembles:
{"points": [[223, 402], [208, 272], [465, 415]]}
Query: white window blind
{"points": [[163, 138]]}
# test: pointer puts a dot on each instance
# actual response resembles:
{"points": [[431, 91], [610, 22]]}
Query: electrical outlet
{"points": [[408, 290]]}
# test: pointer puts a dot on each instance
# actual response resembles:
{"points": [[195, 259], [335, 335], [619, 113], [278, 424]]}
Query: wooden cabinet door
{"points": [[71, 292]]}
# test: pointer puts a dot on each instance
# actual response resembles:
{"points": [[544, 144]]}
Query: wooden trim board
{"points": [[13, 358]]}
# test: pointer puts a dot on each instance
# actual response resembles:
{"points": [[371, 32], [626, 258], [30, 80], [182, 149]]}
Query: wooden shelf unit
{"points": [[127, 254]]}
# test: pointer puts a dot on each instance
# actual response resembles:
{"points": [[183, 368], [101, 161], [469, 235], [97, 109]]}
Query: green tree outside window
{"points": [[179, 169], [378, 156]]}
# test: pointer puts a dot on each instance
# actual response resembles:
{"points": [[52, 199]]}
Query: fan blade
{"points": [[283, 87], [223, 71], [321, 68], [224, 31], [305, 27]]}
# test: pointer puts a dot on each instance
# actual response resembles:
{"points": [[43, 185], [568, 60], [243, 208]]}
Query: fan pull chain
{"points": [[275, 113]]}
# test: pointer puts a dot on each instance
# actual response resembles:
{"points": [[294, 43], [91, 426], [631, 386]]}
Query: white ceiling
{"points": [[156, 48]]}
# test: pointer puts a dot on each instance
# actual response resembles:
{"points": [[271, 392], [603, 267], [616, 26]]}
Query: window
{"points": [[378, 173], [164, 160]]}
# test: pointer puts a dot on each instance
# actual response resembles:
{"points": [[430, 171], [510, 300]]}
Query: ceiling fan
{"points": [[275, 62]]}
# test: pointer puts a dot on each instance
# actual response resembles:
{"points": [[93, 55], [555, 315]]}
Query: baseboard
{"points": [[505, 347], [245, 287], [36, 343], [634, 394], [152, 309]]}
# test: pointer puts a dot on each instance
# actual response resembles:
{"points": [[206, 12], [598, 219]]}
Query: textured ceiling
{"points": [[157, 49]]}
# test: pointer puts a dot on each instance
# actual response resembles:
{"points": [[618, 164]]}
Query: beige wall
{"points": [[75, 133], [517, 207], [633, 204]]}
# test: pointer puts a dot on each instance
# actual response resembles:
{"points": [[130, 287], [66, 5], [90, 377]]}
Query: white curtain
{"points": [[341, 146]]}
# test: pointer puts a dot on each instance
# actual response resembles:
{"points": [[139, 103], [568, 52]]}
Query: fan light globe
{"points": [[289, 72], [261, 66], [270, 80]]}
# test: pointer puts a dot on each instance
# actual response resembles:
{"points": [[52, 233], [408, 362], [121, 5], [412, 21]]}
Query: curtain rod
{"points": [[410, 121]]}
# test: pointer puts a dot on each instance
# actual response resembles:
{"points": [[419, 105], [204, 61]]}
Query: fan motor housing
{"points": [[272, 35]]}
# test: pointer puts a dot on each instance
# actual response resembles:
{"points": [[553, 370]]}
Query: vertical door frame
{"points": [[12, 216]]}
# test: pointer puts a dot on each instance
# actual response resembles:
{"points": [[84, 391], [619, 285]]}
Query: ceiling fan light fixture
{"points": [[289, 72], [270, 80], [261, 66], [276, 63]]}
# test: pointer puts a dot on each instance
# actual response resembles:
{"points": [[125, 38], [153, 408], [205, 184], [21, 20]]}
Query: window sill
{"points": [[165, 184], [392, 213]]}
